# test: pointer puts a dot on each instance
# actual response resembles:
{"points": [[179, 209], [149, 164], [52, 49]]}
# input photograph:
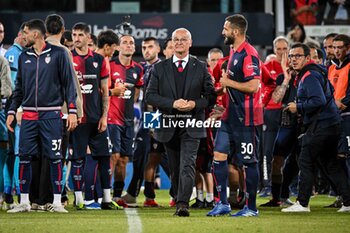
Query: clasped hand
{"points": [[184, 105]]}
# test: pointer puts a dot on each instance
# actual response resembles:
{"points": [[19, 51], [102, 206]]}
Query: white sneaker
{"points": [[20, 208], [6, 206], [296, 208], [344, 209], [58, 208]]}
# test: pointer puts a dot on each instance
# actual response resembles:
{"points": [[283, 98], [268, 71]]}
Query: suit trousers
{"points": [[182, 154]]}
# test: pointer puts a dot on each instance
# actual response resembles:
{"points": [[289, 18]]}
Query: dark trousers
{"points": [[139, 161], [321, 148], [272, 119], [182, 153], [41, 188]]}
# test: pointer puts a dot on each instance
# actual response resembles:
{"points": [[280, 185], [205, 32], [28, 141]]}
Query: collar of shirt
{"points": [[185, 60]]}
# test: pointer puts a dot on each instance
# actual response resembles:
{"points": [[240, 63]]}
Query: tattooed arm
{"points": [[102, 124], [280, 90]]}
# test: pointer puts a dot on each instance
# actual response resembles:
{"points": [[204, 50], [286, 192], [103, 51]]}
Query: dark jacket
{"points": [[44, 81], [161, 93], [311, 97]]}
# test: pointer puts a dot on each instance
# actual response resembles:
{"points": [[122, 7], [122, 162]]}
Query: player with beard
{"points": [[240, 123], [329, 49]]}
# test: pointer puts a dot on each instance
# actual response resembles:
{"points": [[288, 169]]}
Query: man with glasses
{"points": [[181, 86], [315, 102]]}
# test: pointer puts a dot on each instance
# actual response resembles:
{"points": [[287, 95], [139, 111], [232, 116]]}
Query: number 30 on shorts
{"points": [[247, 148], [56, 144]]}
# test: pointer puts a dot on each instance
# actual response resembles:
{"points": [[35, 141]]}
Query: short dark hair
{"points": [[319, 53], [303, 46], [82, 27], [54, 24], [238, 21], [151, 38], [107, 37], [330, 35], [344, 38], [67, 35], [94, 39], [165, 44], [36, 24]]}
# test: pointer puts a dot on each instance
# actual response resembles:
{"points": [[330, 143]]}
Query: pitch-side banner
{"points": [[206, 28]]}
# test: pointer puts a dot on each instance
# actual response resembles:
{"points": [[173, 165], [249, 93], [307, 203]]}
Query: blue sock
{"points": [[25, 174], [77, 170], [90, 173], [56, 175], [220, 174], [251, 180]]}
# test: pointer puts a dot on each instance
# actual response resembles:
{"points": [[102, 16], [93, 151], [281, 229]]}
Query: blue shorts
{"points": [[43, 136], [3, 128], [86, 134], [122, 139], [344, 141], [239, 141]]}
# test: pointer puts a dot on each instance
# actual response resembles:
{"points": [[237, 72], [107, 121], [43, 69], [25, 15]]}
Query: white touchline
{"points": [[134, 221]]}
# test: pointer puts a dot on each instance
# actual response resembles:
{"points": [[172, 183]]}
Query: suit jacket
{"points": [[161, 93]]}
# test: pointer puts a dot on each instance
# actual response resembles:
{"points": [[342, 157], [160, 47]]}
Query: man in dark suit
{"points": [[181, 88]]}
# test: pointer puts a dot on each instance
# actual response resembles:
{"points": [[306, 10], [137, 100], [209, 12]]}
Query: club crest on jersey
{"points": [[47, 60], [235, 62], [134, 75], [95, 64]]}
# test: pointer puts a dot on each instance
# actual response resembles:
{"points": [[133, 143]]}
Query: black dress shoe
{"points": [[183, 212]]}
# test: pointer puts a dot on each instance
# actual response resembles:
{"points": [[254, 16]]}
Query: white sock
{"points": [[24, 198], [200, 195], [107, 196], [79, 197], [57, 199], [99, 200], [88, 202], [209, 197]]}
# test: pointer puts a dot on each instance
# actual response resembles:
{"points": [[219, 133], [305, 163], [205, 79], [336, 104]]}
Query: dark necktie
{"points": [[179, 66]]}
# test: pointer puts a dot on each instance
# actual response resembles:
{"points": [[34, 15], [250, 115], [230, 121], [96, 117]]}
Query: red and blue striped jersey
{"points": [[243, 66], [121, 110], [91, 69]]}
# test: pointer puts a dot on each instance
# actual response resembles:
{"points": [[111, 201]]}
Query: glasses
{"points": [[182, 40], [296, 56]]}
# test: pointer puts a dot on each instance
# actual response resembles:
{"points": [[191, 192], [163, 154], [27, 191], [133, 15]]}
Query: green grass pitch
{"points": [[156, 220]]}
